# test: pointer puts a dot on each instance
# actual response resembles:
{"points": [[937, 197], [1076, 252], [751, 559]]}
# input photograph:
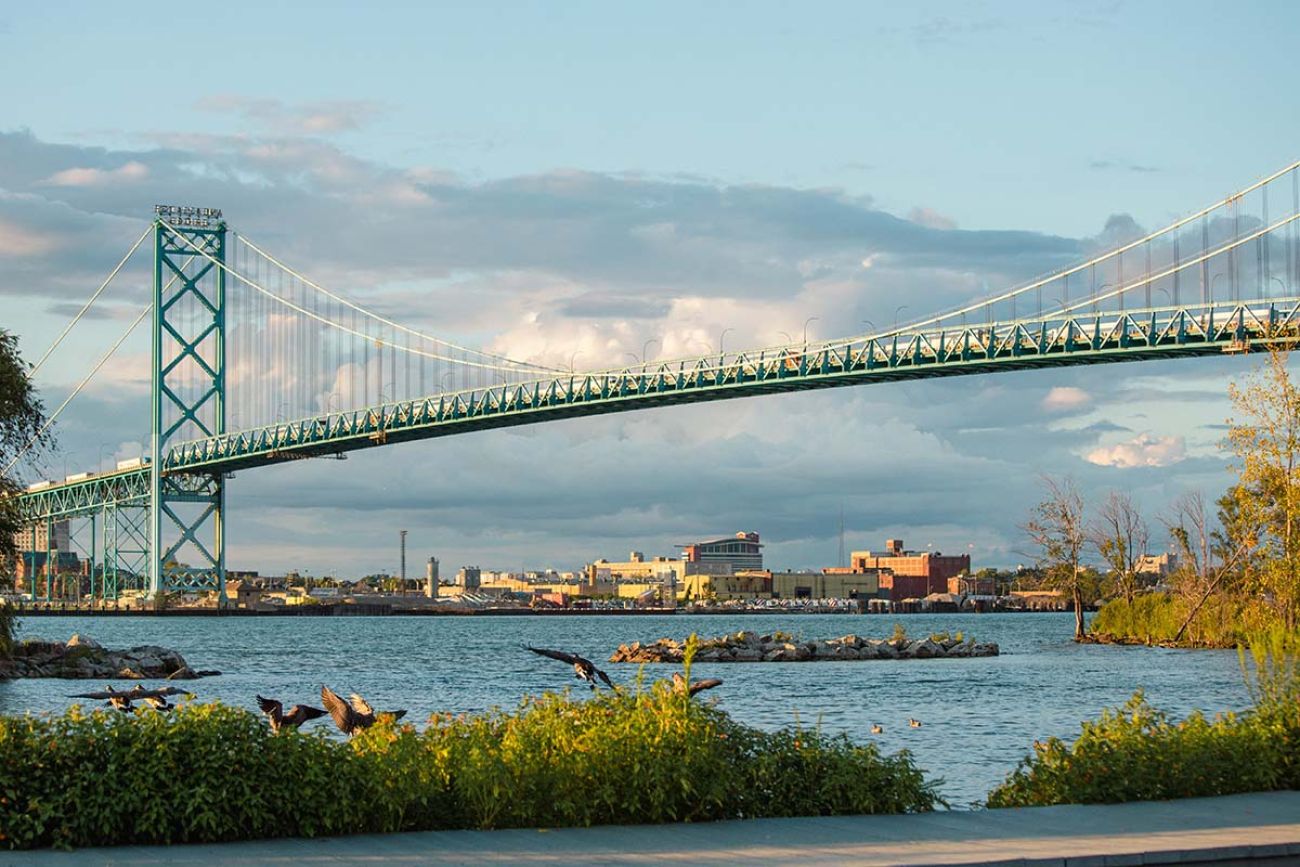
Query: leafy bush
{"points": [[1137, 754], [208, 772]]}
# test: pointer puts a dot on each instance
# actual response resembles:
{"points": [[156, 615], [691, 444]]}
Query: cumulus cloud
{"points": [[1064, 398], [92, 177], [1143, 450], [312, 118]]}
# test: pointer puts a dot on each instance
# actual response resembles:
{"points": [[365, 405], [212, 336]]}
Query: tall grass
{"points": [[1155, 618], [211, 772]]}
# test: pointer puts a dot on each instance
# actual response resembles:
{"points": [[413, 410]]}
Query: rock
{"points": [[183, 673], [130, 673], [926, 649], [775, 655], [747, 654], [79, 640], [207, 672]]}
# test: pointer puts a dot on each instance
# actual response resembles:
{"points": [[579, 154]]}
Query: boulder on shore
{"points": [[83, 658], [779, 647]]}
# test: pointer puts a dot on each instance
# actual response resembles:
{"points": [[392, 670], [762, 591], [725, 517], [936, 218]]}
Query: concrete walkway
{"points": [[1233, 830]]}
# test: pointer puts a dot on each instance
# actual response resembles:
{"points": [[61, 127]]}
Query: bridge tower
{"points": [[187, 512]]}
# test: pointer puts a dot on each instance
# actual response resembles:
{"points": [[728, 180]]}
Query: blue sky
{"points": [[789, 139]]}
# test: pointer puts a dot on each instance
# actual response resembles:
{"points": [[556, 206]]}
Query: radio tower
{"points": [[402, 533], [841, 535]]}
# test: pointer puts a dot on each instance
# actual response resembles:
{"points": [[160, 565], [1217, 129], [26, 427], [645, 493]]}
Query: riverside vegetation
{"points": [[210, 772], [1238, 563], [1136, 753]]}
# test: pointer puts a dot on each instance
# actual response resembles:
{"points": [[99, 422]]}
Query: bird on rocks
{"points": [[679, 684], [355, 714], [914, 723], [296, 715], [583, 668], [877, 729]]}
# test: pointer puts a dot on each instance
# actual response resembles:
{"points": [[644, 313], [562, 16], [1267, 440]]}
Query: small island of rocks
{"points": [[83, 658], [748, 646]]}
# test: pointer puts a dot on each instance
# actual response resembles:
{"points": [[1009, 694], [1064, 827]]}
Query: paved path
{"points": [[1222, 831]]}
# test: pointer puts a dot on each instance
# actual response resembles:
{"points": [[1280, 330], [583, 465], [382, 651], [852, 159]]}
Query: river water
{"points": [[979, 716]]}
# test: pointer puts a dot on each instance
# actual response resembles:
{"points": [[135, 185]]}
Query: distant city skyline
{"points": [[579, 183]]}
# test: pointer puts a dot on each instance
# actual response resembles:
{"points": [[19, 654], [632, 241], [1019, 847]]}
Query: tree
{"points": [[22, 417], [1120, 536], [1209, 559], [1265, 439], [1056, 527]]}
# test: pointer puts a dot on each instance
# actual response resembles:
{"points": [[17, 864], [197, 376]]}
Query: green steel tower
{"points": [[187, 512]]}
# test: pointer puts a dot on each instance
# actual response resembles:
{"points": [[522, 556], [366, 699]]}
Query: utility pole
{"points": [[841, 535], [402, 573]]}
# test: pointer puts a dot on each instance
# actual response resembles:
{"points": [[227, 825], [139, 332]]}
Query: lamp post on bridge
{"points": [[721, 338], [645, 349], [897, 312], [572, 359], [1278, 281], [805, 330]]}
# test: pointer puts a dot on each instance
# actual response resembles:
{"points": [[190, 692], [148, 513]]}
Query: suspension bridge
{"points": [[254, 364]]}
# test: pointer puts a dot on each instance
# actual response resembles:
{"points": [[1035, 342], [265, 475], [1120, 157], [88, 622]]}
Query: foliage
{"points": [[210, 772], [900, 633], [8, 628], [1136, 753], [21, 419], [1266, 442]]}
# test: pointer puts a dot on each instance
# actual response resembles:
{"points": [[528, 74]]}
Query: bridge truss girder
{"points": [[1027, 344]]}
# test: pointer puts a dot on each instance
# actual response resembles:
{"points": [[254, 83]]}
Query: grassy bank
{"points": [[211, 772], [1155, 618], [1137, 753]]}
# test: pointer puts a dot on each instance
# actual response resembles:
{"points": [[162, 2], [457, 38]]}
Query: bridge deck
{"points": [[1262, 828]]}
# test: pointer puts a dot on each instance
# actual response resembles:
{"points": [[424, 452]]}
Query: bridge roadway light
{"points": [[805, 329], [788, 338], [1278, 281], [573, 358], [645, 349], [721, 338], [900, 309]]}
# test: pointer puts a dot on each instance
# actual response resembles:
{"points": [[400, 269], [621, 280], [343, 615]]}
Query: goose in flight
{"points": [[583, 668], [122, 700], [679, 684], [296, 715], [355, 714]]}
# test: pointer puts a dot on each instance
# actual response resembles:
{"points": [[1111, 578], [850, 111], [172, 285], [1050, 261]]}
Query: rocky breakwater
{"points": [[779, 647], [84, 658]]}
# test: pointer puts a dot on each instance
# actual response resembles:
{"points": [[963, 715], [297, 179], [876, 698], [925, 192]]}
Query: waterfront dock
{"points": [[1262, 828]]}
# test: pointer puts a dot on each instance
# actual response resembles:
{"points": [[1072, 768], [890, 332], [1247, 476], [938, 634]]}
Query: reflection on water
{"points": [[980, 715]]}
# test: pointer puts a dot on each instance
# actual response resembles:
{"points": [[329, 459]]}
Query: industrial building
{"points": [[909, 574]]}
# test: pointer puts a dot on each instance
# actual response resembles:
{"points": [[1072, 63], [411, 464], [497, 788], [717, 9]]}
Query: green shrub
{"points": [[210, 772], [1136, 754]]}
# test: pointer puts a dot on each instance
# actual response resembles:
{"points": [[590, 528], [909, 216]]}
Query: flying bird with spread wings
{"points": [[355, 714], [155, 698], [294, 717], [583, 668]]}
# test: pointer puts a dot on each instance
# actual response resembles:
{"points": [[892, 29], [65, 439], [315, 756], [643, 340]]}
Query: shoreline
{"points": [[387, 611]]}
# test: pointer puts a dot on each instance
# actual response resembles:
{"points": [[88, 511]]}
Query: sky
{"points": [[551, 178]]}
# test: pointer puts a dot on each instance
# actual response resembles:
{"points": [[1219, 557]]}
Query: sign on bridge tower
{"points": [[187, 512]]}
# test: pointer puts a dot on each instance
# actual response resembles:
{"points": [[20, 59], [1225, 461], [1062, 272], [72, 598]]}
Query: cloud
{"points": [[17, 240], [1121, 166], [1064, 398], [1143, 450], [311, 119], [931, 219], [90, 177]]}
